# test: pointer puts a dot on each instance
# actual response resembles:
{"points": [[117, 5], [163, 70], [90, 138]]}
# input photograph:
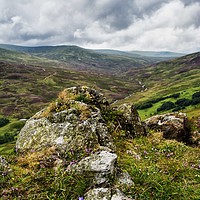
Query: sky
{"points": [[161, 25]]}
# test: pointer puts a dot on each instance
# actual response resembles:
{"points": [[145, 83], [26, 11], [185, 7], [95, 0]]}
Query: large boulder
{"points": [[173, 125], [68, 124]]}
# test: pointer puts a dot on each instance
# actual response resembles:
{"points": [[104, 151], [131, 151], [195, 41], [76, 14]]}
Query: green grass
{"points": [[8, 135], [161, 169], [7, 148]]}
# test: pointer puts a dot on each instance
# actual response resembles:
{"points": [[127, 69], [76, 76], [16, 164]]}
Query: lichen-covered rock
{"points": [[125, 179], [4, 166], [118, 195], [80, 127], [130, 120], [100, 167], [105, 194], [98, 194], [173, 126]]}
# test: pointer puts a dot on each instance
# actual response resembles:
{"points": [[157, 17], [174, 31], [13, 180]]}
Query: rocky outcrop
{"points": [[173, 126], [130, 120], [79, 126], [75, 122]]}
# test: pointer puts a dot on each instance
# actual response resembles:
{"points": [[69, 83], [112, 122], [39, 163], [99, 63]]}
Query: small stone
{"points": [[99, 166], [98, 194], [125, 179], [120, 196]]}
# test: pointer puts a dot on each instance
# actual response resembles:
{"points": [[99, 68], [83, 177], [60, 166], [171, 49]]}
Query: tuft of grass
{"points": [[41, 175]]}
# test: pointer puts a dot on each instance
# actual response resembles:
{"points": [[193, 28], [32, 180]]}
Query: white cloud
{"points": [[131, 24]]}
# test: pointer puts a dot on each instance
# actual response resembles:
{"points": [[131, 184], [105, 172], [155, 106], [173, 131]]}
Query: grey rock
{"points": [[99, 167], [173, 126], [125, 179], [105, 194], [98, 194], [65, 130], [119, 196], [130, 120]]}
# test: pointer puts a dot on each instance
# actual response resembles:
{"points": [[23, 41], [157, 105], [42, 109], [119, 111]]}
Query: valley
{"points": [[31, 78]]}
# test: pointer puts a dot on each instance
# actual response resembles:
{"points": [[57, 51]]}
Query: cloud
{"points": [[129, 24]]}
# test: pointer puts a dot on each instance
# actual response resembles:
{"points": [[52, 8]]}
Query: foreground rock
{"points": [[99, 167], [130, 120], [105, 194], [67, 124], [173, 125], [79, 126]]}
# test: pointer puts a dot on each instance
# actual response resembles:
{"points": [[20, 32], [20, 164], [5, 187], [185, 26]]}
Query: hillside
{"points": [[85, 59], [35, 74], [25, 88], [158, 54], [181, 75], [79, 147]]}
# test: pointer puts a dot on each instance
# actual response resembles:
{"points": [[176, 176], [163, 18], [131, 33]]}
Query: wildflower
{"points": [[137, 156], [72, 162], [80, 198], [145, 152], [170, 154]]}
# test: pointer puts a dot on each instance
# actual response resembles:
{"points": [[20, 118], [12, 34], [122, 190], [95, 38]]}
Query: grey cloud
{"points": [[127, 24]]}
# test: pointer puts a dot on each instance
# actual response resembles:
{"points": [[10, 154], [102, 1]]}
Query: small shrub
{"points": [[196, 95], [178, 109], [82, 98], [195, 101], [6, 138], [166, 106], [183, 102], [175, 96], [144, 106], [3, 121]]}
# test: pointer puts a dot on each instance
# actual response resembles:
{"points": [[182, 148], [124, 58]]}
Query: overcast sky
{"points": [[172, 25]]}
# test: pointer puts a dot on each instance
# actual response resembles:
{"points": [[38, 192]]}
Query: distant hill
{"points": [[114, 62], [158, 54]]}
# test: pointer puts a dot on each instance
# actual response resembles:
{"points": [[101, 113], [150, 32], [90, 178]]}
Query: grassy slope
{"points": [[180, 75], [161, 169], [25, 89]]}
